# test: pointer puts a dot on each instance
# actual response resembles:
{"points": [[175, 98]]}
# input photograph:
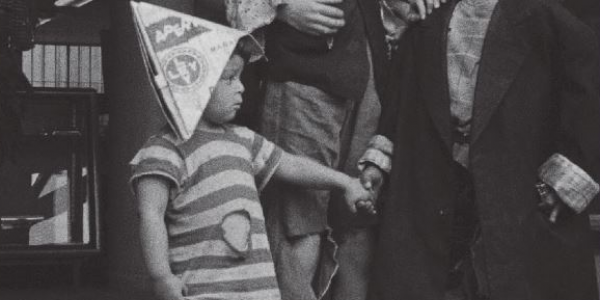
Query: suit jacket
{"points": [[537, 94]]}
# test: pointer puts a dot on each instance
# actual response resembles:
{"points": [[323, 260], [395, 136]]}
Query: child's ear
{"points": [[242, 50]]}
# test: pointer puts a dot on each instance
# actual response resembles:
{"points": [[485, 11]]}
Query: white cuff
{"points": [[379, 153], [571, 183]]}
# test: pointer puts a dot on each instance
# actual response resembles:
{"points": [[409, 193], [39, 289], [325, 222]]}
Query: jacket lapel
{"points": [[432, 72], [502, 55]]}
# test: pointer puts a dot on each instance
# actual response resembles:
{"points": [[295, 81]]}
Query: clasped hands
{"points": [[324, 17], [361, 194]]}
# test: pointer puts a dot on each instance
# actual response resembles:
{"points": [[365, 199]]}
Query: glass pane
{"points": [[62, 66], [44, 189], [97, 69], [38, 66], [49, 66], [74, 66], [84, 66]]}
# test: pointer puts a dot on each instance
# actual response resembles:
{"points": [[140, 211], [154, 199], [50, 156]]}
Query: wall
{"points": [[134, 115], [78, 26]]}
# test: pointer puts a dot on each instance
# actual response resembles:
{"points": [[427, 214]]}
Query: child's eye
{"points": [[228, 80]]}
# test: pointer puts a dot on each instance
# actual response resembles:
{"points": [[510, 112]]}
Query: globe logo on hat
{"points": [[185, 69]]}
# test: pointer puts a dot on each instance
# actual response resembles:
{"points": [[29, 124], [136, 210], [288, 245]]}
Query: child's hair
{"points": [[243, 48]]}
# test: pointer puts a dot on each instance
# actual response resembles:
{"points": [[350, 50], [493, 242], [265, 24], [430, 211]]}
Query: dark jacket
{"points": [[537, 94], [341, 71]]}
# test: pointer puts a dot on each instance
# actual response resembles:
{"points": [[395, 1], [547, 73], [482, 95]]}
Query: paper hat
{"points": [[185, 57]]}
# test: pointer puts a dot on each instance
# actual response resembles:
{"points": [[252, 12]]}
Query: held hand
{"points": [[367, 207], [169, 287], [371, 179], [356, 195], [315, 17]]}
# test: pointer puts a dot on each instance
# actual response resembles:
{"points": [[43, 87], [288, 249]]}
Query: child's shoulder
{"points": [[241, 131], [165, 134]]}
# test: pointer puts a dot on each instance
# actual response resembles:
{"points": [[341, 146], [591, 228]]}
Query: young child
{"points": [[202, 226]]}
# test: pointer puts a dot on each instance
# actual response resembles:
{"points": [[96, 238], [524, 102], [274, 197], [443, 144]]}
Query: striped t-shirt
{"points": [[214, 219]]}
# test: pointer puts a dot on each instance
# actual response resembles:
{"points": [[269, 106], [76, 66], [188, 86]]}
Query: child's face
{"points": [[226, 98]]}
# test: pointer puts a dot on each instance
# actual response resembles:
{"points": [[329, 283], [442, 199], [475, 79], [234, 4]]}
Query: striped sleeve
{"points": [[265, 160], [159, 157]]}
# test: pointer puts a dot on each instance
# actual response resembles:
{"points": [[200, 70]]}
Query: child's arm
{"points": [[308, 173], [153, 196]]}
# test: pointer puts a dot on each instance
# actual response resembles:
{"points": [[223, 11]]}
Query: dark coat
{"points": [[537, 94]]}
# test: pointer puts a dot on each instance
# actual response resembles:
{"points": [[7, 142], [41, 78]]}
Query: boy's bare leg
{"points": [[296, 260], [355, 255], [303, 121], [302, 253]]}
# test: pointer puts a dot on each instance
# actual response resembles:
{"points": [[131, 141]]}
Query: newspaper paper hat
{"points": [[185, 57]]}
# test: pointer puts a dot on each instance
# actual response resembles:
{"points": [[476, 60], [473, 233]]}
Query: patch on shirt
{"points": [[236, 232]]}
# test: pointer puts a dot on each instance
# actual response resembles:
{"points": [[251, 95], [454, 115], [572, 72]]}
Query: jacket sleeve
{"points": [[574, 172], [381, 147]]}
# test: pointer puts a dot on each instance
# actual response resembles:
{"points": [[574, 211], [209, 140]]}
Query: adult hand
{"points": [[371, 179], [552, 205], [413, 10], [315, 17], [169, 287]]}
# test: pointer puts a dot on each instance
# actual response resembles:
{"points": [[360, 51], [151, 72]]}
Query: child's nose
{"points": [[239, 85]]}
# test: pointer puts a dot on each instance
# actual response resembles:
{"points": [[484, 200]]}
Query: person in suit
{"points": [[494, 126]]}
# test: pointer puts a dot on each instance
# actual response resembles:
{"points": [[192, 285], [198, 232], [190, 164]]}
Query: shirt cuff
{"points": [[379, 152], [571, 183]]}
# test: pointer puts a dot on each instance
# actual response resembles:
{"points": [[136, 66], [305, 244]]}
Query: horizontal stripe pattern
{"points": [[213, 199], [253, 271], [161, 153], [212, 184], [264, 283], [181, 224], [216, 174], [215, 166], [264, 175], [217, 262], [217, 248], [255, 295], [213, 150], [209, 233]]}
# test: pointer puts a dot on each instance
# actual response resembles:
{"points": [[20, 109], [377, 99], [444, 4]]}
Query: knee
{"points": [[306, 248]]}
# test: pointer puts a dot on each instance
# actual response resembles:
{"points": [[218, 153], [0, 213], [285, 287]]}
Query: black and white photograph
{"points": [[300, 149]]}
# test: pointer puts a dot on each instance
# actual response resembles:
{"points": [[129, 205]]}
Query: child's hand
{"points": [[355, 193], [367, 207], [169, 287]]}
